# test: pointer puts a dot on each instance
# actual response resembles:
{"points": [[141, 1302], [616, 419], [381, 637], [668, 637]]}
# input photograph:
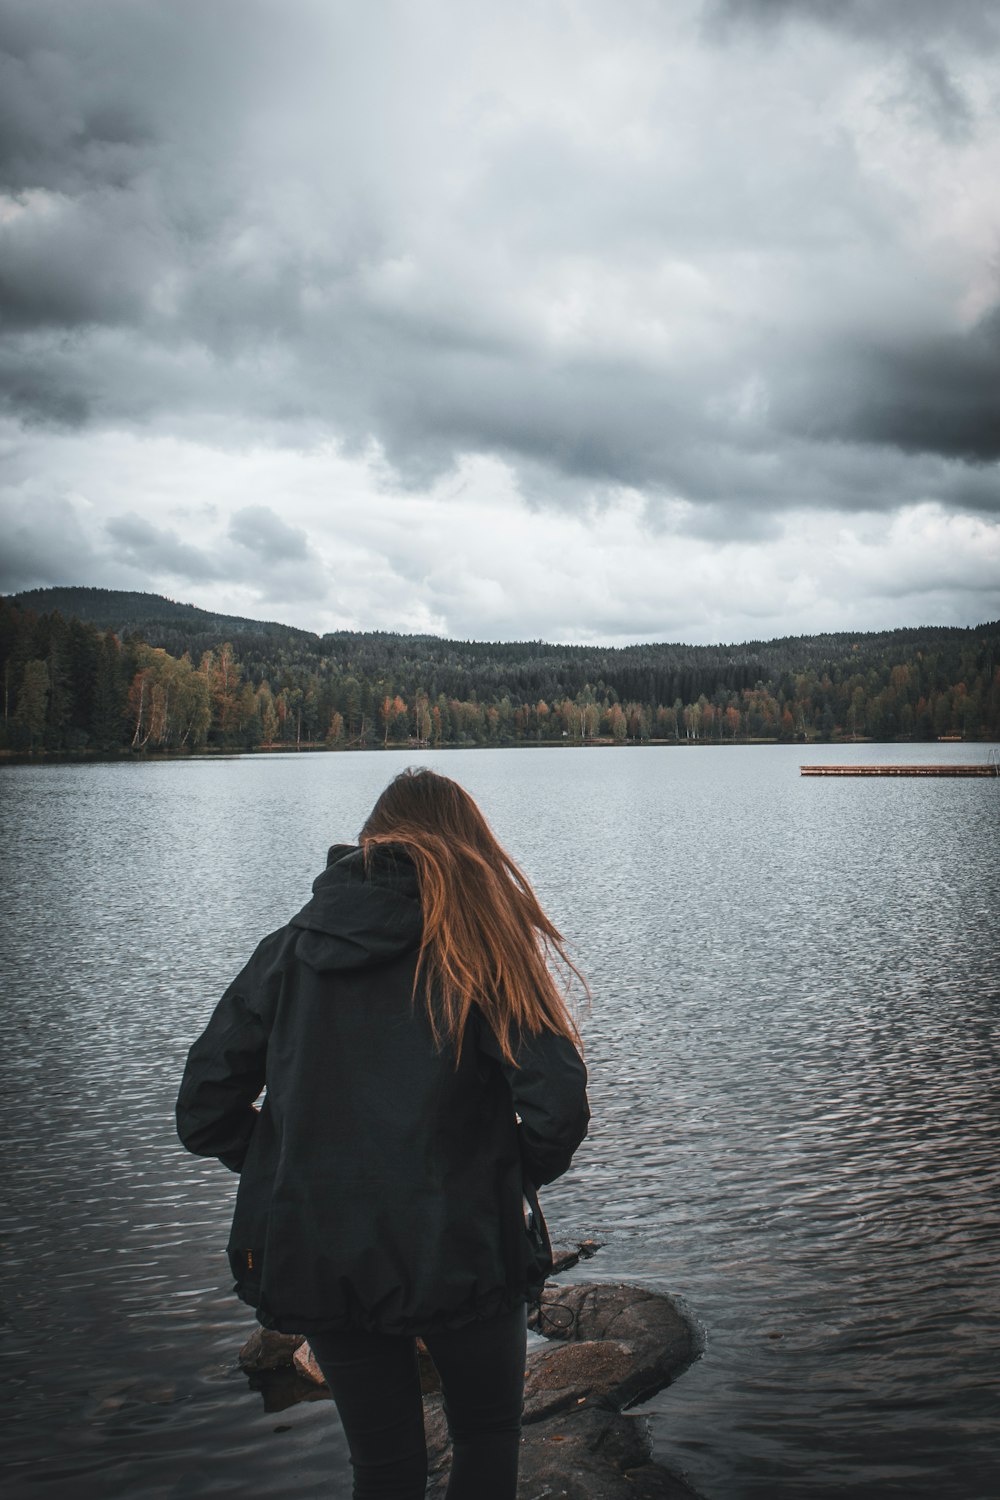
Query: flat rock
{"points": [[659, 1338], [566, 1376]]}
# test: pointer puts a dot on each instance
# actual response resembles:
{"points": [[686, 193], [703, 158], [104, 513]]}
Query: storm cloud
{"points": [[725, 272]]}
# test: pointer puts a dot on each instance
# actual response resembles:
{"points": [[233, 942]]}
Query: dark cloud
{"points": [[703, 252], [37, 390], [938, 395], [97, 96], [975, 22], [260, 530], [933, 93], [157, 550], [73, 263], [43, 545]]}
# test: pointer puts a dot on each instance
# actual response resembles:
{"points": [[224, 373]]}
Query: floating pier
{"points": [[982, 768]]}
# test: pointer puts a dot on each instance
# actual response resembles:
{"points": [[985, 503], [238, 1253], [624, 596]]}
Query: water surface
{"points": [[793, 1046]]}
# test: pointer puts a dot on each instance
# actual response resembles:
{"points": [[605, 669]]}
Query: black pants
{"points": [[376, 1384]]}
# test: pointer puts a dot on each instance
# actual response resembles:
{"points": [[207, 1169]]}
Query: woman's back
{"points": [[382, 1186], [422, 1077]]}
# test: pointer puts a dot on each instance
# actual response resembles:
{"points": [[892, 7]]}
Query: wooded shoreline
{"points": [[172, 679]]}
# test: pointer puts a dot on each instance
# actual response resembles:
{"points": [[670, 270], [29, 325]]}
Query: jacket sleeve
{"points": [[225, 1073], [549, 1086]]}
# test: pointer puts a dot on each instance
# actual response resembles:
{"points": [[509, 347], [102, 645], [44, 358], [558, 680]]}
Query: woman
{"points": [[423, 1078]]}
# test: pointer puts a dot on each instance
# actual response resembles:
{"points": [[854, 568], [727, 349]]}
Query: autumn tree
{"points": [[394, 715], [169, 702], [267, 713], [222, 673], [421, 719]]}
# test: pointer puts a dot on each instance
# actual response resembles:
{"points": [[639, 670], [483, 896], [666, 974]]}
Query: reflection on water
{"points": [[794, 1055]]}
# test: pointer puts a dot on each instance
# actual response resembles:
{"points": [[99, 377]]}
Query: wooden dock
{"points": [[982, 768]]}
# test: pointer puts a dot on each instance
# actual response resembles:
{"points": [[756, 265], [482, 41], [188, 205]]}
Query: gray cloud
{"points": [[39, 389], [157, 549], [937, 395], [262, 531], [77, 262], [933, 92], [710, 253], [972, 22], [44, 545], [260, 261], [276, 558]]}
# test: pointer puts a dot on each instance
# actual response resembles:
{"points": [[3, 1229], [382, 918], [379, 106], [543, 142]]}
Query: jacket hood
{"points": [[360, 917]]}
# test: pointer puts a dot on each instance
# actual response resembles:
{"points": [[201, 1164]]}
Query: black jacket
{"points": [[381, 1185]]}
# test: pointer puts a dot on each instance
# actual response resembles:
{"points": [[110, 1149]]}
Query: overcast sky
{"points": [[599, 320]]}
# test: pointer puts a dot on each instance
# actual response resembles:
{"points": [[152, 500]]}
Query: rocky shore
{"points": [[607, 1346]]}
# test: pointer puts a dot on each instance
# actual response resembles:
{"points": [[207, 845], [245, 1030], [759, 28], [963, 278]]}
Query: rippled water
{"points": [[794, 1049]]}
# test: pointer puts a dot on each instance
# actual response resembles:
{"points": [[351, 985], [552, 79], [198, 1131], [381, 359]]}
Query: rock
{"points": [[267, 1350], [282, 1389], [304, 1361], [563, 1256], [593, 1455], [659, 1338], [570, 1374], [610, 1345]]}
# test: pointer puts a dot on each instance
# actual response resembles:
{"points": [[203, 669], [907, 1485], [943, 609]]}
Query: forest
{"points": [[103, 672]]}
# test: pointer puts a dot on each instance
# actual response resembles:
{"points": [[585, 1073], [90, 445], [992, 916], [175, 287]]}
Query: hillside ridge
{"points": [[128, 611]]}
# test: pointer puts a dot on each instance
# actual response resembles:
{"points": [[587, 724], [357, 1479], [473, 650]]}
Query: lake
{"points": [[793, 1047]]}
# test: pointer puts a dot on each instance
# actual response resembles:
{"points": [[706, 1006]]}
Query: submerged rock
{"points": [[564, 1256], [267, 1350]]}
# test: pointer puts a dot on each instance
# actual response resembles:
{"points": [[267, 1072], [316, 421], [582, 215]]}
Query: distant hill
{"points": [[164, 622], [160, 621]]}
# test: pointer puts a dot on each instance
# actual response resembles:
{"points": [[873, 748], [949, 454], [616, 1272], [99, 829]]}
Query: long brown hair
{"points": [[486, 941]]}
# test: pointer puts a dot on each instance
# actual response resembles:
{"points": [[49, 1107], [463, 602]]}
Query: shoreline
{"points": [[222, 752]]}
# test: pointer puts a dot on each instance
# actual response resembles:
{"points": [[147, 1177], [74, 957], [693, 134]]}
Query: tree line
{"points": [[172, 682]]}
